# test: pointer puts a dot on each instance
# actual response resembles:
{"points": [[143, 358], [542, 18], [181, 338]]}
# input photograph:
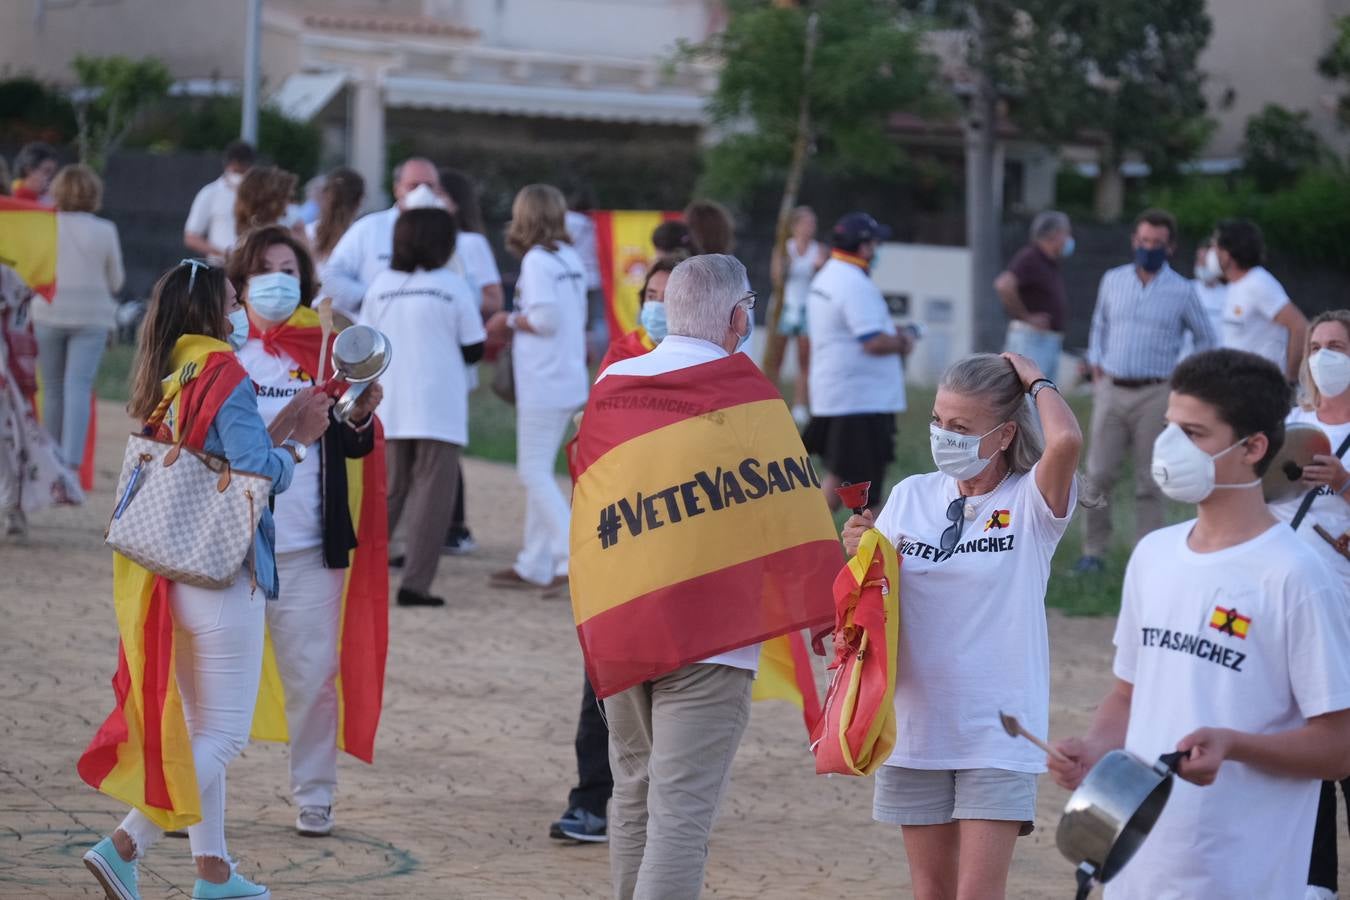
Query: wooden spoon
{"points": [[1015, 729], [325, 311]]}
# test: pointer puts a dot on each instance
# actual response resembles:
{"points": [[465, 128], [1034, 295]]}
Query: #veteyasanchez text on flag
{"points": [[698, 522]]}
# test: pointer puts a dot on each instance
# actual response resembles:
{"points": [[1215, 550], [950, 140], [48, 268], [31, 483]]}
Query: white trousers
{"points": [[303, 622], [218, 646], [539, 435]]}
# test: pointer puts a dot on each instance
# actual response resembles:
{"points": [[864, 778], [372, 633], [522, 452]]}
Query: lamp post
{"points": [[248, 128]]}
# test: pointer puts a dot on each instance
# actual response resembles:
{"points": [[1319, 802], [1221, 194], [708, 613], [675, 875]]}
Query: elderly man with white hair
{"points": [[672, 739], [1032, 291]]}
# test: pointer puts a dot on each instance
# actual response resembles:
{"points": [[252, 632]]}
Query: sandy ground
{"points": [[474, 756]]}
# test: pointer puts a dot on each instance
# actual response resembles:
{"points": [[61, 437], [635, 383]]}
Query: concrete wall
{"points": [[194, 38], [1265, 51], [624, 28]]}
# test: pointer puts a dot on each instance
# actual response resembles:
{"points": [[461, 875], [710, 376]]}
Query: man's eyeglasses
{"points": [[196, 264], [956, 514], [749, 295]]}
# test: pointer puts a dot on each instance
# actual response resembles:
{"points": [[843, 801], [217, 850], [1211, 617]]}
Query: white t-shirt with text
{"points": [[299, 511], [1250, 307], [1253, 637], [550, 369], [428, 317], [1327, 510], [973, 636], [212, 214], [844, 305], [674, 353]]}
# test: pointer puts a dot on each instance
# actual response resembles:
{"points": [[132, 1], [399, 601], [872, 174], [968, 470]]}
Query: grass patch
{"points": [[113, 381]]}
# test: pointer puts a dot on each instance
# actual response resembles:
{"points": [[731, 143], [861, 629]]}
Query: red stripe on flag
{"points": [[604, 251], [158, 637], [673, 626], [100, 757], [649, 402], [806, 682], [90, 442]]}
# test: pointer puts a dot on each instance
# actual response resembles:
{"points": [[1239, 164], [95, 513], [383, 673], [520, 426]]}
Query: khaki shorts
{"points": [[938, 796]]}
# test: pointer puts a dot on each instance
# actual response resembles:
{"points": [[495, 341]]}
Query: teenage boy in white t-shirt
{"points": [[1230, 645]]}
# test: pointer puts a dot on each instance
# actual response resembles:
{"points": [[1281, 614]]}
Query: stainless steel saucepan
{"points": [[360, 356]]}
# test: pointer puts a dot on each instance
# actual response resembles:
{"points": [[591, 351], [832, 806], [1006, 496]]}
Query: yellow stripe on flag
{"points": [[653, 464], [632, 230]]}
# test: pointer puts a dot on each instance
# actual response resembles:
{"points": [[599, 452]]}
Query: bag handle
{"points": [[1312, 494]]}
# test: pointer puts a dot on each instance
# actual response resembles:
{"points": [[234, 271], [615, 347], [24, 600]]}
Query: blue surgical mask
{"points": [[653, 318], [749, 329], [1069, 245], [238, 336], [1150, 259], [274, 295]]}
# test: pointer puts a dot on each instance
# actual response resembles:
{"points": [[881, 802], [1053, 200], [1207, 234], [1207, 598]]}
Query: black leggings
{"points": [[1322, 869]]}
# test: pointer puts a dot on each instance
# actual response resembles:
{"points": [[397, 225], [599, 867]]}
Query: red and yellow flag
{"points": [[623, 242], [786, 673], [28, 243], [363, 638], [142, 754], [1230, 621], [698, 522]]}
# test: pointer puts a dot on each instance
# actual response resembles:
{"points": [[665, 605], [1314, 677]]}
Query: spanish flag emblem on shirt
{"points": [[1001, 518], [1229, 621], [698, 523]]}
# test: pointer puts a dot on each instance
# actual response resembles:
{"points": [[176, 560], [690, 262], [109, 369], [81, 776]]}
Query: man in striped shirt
{"points": [[1144, 309]]}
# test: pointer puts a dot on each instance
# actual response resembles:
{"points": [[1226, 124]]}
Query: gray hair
{"points": [[1048, 224], [993, 379], [398, 169], [701, 294]]}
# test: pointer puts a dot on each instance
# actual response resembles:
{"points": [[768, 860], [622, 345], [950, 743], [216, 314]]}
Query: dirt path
{"points": [[474, 757]]}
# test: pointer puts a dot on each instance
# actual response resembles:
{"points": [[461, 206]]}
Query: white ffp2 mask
{"points": [[1183, 471], [1330, 371]]}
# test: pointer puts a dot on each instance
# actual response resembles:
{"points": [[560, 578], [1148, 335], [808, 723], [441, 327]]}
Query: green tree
{"points": [[113, 90], [1278, 146], [33, 111], [809, 83], [1335, 65], [208, 124]]}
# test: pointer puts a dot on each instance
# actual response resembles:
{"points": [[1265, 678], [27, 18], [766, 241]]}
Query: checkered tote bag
{"points": [[185, 514]]}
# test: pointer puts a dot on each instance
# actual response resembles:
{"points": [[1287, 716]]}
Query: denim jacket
{"points": [[239, 435]]}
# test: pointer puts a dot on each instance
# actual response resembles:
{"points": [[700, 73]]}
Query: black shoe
{"points": [[413, 598]]}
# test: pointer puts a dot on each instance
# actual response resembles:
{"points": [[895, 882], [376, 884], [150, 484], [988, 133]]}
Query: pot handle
{"points": [[1170, 761]]}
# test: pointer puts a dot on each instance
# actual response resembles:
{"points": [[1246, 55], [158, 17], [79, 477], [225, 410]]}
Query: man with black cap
{"points": [[857, 383]]}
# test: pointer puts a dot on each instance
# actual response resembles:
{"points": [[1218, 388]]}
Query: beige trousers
{"points": [[1124, 420], [671, 743], [423, 480]]}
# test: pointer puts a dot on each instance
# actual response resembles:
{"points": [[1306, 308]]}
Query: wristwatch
{"points": [[1039, 385], [298, 450]]}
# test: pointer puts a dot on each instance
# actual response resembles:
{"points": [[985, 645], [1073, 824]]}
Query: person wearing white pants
{"points": [[547, 331]]}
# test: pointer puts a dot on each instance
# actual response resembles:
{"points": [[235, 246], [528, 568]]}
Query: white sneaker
{"points": [[1317, 892], [315, 821]]}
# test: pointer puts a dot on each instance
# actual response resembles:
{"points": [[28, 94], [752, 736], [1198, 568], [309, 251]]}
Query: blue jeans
{"points": [[68, 360], [1041, 347]]}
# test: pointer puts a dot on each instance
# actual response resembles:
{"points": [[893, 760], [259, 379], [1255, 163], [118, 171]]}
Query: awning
{"points": [[602, 105], [304, 94]]}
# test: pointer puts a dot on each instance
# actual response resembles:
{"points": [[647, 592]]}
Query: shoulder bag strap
{"points": [[1312, 494]]}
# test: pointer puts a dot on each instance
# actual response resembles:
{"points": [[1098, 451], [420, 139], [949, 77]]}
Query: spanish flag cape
{"points": [[635, 343], [698, 523], [856, 734], [142, 754], [363, 640]]}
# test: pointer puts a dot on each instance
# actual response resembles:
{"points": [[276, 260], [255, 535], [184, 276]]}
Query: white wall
{"points": [[937, 282]]}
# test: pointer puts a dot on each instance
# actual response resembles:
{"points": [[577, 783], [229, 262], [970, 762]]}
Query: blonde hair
{"points": [[262, 197], [994, 380], [77, 188], [1309, 397], [538, 218]]}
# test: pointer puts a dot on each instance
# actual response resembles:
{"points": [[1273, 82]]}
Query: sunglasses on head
{"points": [[195, 264]]}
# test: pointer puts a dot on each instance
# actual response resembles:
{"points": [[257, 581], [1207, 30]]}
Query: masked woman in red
{"points": [[191, 657], [320, 538]]}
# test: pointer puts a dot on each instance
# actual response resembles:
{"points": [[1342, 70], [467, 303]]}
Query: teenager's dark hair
{"points": [[1248, 392], [464, 192], [1242, 240], [247, 259], [423, 239], [240, 153], [1158, 218], [662, 264], [172, 313], [672, 239], [31, 156]]}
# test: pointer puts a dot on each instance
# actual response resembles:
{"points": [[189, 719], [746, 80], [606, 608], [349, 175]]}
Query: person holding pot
{"points": [[1230, 648], [1325, 403], [547, 331], [976, 538], [315, 534], [191, 658]]}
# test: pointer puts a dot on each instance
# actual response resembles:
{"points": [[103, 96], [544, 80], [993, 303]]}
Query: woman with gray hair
{"points": [[978, 536]]}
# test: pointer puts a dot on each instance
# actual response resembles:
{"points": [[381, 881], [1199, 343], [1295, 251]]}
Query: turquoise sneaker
{"points": [[117, 877], [237, 888]]}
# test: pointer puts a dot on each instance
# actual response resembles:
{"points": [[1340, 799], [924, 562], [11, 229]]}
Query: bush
{"points": [[1310, 220], [209, 124], [33, 111], [1278, 146]]}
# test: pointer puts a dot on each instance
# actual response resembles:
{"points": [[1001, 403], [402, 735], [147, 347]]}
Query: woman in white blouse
{"points": [[72, 330], [547, 330]]}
